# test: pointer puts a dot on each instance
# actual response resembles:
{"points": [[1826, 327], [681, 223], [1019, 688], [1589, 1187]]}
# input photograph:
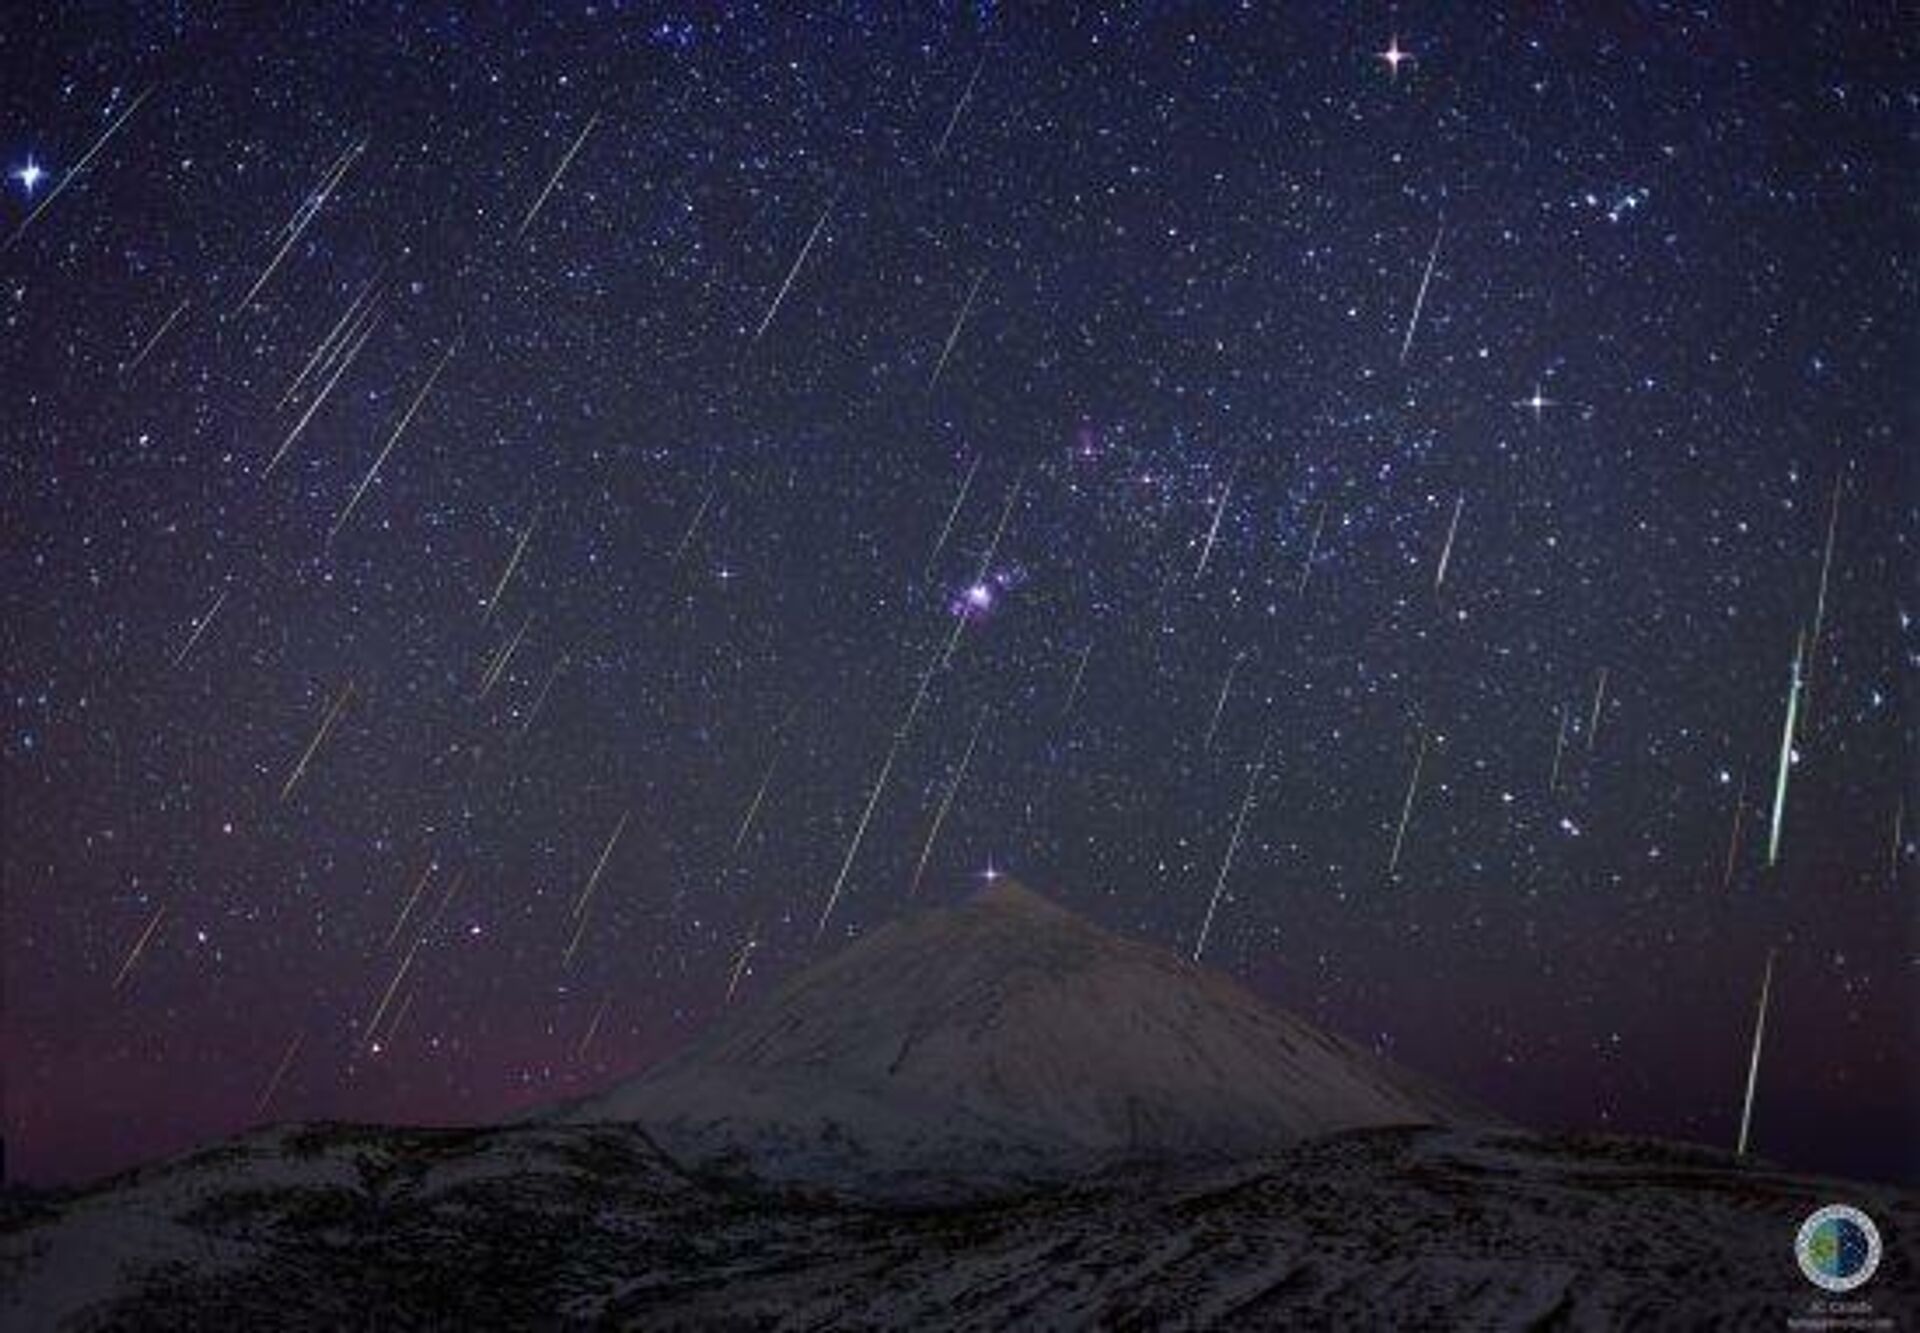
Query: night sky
{"points": [[673, 340]]}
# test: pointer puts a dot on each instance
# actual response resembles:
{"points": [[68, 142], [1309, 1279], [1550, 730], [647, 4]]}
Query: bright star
{"points": [[1536, 404], [29, 176], [1394, 56]]}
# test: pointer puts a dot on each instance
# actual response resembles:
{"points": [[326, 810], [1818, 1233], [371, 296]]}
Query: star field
{"points": [[600, 626]]}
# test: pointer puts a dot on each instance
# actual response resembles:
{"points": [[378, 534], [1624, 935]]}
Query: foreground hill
{"points": [[555, 1226]]}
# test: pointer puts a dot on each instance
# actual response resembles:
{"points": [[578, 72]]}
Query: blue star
{"points": [[29, 176]]}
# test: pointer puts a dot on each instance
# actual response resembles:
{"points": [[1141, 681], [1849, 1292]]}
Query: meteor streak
{"points": [[373, 1024], [133, 955], [1786, 753], [1420, 300], [793, 272], [1826, 568], [279, 1072], [1220, 704], [952, 514], [540, 699], [201, 628], [1073, 690], [1313, 547], [1446, 551], [392, 440], [866, 815], [1233, 845], [504, 656], [318, 737], [74, 172], [1733, 839], [512, 565], [946, 803], [1593, 719], [953, 335], [1406, 809], [1213, 530], [303, 216], [1753, 1061], [958, 107], [580, 906], [586, 1040], [412, 898], [693, 527], [979, 580], [1559, 751], [740, 965], [153, 339], [346, 362], [759, 795], [1893, 858], [329, 347], [554, 179]]}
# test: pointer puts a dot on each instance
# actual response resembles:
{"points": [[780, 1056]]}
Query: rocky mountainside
{"points": [[1006, 1038], [574, 1226]]}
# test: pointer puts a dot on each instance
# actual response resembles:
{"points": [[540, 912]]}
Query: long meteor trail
{"points": [[133, 955], [318, 737], [953, 335], [1233, 845], [1786, 752], [952, 514], [1446, 551], [302, 218], [392, 440], [1220, 704], [73, 173], [794, 272], [1420, 300], [1753, 1060], [365, 331], [1406, 808], [946, 803], [512, 564], [154, 338], [554, 179], [959, 107], [201, 628], [1313, 548], [279, 1072], [1213, 530]]}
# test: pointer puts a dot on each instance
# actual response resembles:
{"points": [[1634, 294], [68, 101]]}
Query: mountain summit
{"points": [[1005, 1037]]}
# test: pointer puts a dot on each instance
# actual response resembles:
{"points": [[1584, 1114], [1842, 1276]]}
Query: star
{"points": [[1394, 56], [1537, 404], [29, 176]]}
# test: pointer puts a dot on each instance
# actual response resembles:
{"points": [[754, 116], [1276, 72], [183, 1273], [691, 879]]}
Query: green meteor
{"points": [[1786, 751]]}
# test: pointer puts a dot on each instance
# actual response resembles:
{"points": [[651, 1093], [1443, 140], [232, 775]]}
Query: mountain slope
{"points": [[580, 1226], [1006, 1037]]}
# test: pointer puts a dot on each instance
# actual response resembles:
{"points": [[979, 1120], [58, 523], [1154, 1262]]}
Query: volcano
{"points": [[957, 1050]]}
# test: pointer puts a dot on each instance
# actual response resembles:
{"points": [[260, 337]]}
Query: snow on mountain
{"points": [[1005, 1038]]}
